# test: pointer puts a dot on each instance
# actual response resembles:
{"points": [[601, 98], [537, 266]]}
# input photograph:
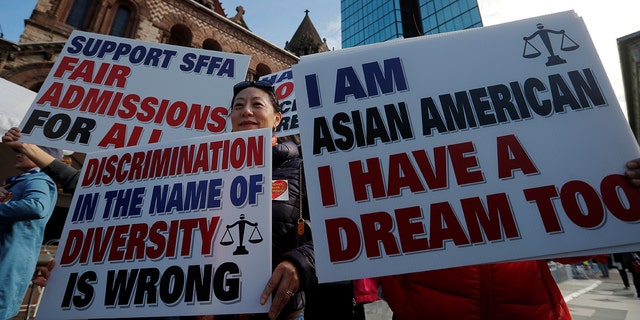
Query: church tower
{"points": [[306, 39]]}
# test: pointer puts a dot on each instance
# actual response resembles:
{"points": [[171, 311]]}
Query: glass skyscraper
{"points": [[371, 21]]}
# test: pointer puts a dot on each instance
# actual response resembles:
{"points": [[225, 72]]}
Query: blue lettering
{"points": [[313, 90], [389, 80], [85, 207], [347, 83]]}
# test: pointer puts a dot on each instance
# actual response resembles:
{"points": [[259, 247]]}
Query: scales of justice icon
{"points": [[255, 237], [566, 44]]}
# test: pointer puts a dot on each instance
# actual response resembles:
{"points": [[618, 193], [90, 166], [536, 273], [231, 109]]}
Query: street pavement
{"points": [[601, 299], [592, 298]]}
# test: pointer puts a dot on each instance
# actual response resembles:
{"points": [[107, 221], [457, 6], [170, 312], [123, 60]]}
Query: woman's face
{"points": [[252, 109]]}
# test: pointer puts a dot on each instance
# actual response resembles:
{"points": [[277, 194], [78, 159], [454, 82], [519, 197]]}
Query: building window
{"points": [[210, 44], [79, 14], [120, 23], [180, 35]]}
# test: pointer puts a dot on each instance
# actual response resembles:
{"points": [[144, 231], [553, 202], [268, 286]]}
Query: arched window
{"points": [[181, 35], [262, 70], [121, 22], [210, 44], [79, 16]]}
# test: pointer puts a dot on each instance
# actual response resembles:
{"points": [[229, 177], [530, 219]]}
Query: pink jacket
{"points": [[365, 290]]}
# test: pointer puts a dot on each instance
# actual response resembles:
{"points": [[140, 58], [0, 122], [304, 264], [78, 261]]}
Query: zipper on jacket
{"points": [[486, 312]]}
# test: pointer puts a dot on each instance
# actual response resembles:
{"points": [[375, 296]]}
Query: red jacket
{"points": [[512, 290]]}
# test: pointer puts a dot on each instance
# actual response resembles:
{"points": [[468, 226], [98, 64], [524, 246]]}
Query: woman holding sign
{"points": [[254, 106]]}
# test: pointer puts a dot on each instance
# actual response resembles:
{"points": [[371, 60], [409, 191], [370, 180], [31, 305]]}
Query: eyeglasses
{"points": [[261, 84]]}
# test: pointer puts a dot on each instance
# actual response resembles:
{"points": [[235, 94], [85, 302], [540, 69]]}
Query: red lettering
{"points": [[373, 178], [102, 243], [136, 242], [218, 118], [378, 228], [436, 179], [72, 97], [327, 189], [238, 153], [336, 229], [118, 76], [66, 64], [90, 172], [156, 237], [284, 90], [72, 247], [172, 241], [85, 70], [118, 243], [187, 226], [117, 136], [86, 246], [570, 196], [156, 134], [177, 113], [52, 95], [409, 229], [462, 163], [628, 210], [207, 233], [491, 221], [402, 175], [512, 156], [444, 225], [197, 116], [543, 197]]}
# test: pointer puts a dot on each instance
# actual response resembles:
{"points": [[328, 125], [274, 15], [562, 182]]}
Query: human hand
{"points": [[633, 172], [5, 195], [45, 272], [285, 281], [12, 137]]}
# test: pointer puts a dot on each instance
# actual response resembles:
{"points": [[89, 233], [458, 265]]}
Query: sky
{"points": [[276, 21]]}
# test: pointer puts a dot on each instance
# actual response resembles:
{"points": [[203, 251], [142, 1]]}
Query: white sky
{"points": [[606, 22]]}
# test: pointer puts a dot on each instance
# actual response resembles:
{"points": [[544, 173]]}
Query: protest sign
{"points": [[284, 87], [493, 144], [172, 228], [109, 92], [15, 102]]}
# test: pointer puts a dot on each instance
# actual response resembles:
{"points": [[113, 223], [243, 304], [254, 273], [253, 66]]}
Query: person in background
{"points": [[626, 259], [618, 263], [510, 290], [603, 265], [27, 203], [63, 174]]}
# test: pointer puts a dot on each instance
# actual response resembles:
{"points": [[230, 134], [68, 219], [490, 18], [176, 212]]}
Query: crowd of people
{"points": [[488, 291]]}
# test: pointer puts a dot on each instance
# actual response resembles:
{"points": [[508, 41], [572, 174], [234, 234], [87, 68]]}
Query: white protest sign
{"points": [[109, 92], [14, 104], [284, 88], [172, 228], [493, 144]]}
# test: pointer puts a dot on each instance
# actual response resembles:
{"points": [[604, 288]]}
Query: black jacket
{"points": [[287, 165]]}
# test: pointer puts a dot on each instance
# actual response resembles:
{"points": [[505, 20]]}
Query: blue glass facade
{"points": [[371, 21]]}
